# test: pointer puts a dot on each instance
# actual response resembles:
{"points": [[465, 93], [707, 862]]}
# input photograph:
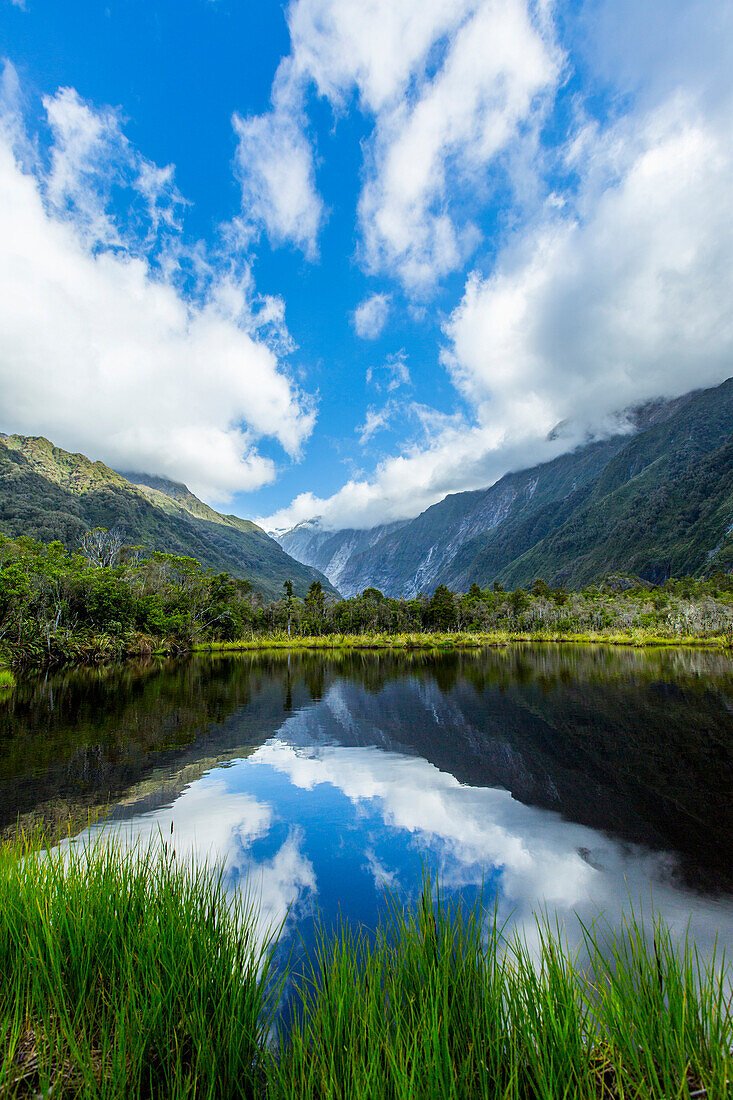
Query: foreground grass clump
{"points": [[124, 974], [428, 1010]]}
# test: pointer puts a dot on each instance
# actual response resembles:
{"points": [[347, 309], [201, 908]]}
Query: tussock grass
{"points": [[433, 640], [431, 1010], [126, 974]]}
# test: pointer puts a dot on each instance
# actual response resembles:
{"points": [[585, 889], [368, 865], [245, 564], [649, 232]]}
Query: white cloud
{"points": [[625, 298], [450, 85], [617, 290], [100, 349], [461, 456], [392, 374], [431, 151], [375, 421], [276, 169], [370, 316]]}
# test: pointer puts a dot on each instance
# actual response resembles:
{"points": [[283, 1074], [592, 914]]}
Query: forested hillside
{"points": [[49, 494], [657, 502]]}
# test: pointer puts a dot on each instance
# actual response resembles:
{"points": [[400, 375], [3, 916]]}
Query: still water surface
{"points": [[565, 778]]}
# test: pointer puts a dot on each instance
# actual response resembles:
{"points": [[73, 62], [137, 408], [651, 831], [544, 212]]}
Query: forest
{"points": [[107, 600]]}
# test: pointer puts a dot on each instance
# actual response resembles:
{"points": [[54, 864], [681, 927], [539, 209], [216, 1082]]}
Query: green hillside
{"points": [[662, 506], [48, 493]]}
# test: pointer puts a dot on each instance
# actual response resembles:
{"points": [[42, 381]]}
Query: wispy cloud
{"points": [[449, 84], [276, 169], [376, 420], [391, 374], [370, 316], [616, 289]]}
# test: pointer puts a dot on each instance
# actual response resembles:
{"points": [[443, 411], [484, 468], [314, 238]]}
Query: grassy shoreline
{"points": [[459, 640], [106, 651], [129, 974]]}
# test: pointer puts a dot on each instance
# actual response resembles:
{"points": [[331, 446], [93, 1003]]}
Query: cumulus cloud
{"points": [[101, 347], [448, 85], [623, 299], [616, 290], [461, 456], [370, 316]]}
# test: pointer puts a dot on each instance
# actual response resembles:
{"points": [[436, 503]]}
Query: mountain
{"points": [[657, 501], [48, 493], [333, 551]]}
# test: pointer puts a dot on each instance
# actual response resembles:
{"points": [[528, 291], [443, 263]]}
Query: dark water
{"points": [[567, 778]]}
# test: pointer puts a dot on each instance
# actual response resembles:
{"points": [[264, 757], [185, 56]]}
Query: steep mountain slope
{"points": [[48, 493], [652, 502], [333, 551], [662, 507], [418, 556]]}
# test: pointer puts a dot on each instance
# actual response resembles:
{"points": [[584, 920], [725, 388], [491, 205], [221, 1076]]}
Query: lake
{"points": [[570, 780]]}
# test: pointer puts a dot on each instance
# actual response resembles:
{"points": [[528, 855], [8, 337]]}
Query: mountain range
{"points": [[655, 501], [48, 493]]}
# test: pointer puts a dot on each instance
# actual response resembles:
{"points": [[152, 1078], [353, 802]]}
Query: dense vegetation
{"points": [[125, 977], [49, 494], [128, 974], [110, 600]]}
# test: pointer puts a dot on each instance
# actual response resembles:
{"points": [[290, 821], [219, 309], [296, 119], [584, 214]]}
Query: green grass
{"points": [[125, 974], [430, 1010], [7, 680], [636, 637], [131, 975]]}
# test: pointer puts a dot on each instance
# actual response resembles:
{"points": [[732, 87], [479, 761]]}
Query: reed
{"points": [[126, 974], [438, 1006], [433, 640]]}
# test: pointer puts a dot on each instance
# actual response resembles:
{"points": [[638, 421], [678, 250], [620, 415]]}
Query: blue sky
{"points": [[340, 258]]}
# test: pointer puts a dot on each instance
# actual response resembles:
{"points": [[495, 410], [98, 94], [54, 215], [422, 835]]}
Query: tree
{"points": [[519, 601], [288, 586], [102, 548], [441, 608], [315, 604]]}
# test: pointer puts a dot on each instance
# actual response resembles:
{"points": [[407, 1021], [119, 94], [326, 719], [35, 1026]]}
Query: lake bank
{"points": [[60, 609], [133, 972], [461, 640], [107, 650]]}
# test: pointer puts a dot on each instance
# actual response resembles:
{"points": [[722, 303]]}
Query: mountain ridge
{"points": [[49, 493], [565, 519]]}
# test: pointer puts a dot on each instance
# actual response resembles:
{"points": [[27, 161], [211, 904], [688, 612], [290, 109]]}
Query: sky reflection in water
{"points": [[339, 804]]}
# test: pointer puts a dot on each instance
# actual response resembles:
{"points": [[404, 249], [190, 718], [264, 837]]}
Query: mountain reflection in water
{"points": [[569, 778]]}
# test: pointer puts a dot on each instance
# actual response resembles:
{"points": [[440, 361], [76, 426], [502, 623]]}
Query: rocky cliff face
{"points": [[567, 520], [332, 551]]}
